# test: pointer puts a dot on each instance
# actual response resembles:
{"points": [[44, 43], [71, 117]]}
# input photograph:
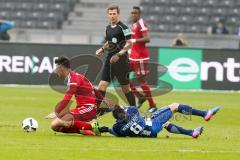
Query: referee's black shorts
{"points": [[118, 70]]}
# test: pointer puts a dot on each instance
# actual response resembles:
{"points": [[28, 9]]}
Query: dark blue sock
{"points": [[185, 109], [172, 128]]}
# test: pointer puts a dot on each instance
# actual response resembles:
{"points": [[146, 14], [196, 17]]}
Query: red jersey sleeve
{"points": [[143, 26], [67, 97]]}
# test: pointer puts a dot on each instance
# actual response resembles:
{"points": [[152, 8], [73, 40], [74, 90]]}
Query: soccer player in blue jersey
{"points": [[129, 122]]}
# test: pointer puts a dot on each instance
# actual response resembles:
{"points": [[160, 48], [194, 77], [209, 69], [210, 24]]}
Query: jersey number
{"points": [[135, 128]]}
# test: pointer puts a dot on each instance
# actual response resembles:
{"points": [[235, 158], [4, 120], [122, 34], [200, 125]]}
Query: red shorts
{"points": [[140, 67], [84, 113]]}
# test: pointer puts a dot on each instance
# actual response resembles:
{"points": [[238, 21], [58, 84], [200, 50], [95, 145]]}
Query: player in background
{"points": [[129, 123], [139, 58], [5, 26], [116, 63], [74, 120]]}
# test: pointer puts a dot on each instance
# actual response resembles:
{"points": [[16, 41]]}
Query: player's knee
{"points": [[174, 106]]}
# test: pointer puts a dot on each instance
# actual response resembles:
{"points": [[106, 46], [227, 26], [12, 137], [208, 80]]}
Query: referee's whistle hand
{"points": [[99, 52]]}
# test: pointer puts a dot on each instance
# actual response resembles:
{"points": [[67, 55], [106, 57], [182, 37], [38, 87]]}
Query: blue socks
{"points": [[185, 109], [172, 128]]}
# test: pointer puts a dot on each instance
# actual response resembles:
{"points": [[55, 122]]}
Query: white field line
{"points": [[111, 88], [130, 150]]}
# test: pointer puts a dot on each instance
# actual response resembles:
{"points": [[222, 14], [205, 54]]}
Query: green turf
{"points": [[219, 141]]}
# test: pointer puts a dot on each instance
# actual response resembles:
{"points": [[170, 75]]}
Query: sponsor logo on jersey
{"points": [[127, 32]]}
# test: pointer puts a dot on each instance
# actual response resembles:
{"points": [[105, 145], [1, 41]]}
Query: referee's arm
{"points": [[100, 51], [125, 49]]}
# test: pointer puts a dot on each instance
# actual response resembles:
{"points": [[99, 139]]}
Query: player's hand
{"points": [[104, 129], [133, 40], [51, 116], [114, 59], [100, 52]]}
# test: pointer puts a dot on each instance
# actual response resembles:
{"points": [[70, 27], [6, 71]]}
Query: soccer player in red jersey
{"points": [[74, 120], [139, 58]]}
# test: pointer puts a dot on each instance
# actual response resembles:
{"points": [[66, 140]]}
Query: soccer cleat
{"points": [[211, 112], [197, 132], [95, 128], [141, 100], [152, 109]]}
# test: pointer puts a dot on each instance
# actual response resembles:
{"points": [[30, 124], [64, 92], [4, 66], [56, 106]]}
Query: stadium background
{"points": [[46, 29]]}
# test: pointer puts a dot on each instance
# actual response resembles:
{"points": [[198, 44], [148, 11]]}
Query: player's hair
{"points": [[112, 7], [137, 8], [64, 61], [118, 113]]}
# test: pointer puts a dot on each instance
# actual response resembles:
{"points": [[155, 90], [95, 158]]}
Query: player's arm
{"points": [[125, 49], [101, 50], [144, 39], [128, 44], [61, 106], [105, 129], [111, 131]]}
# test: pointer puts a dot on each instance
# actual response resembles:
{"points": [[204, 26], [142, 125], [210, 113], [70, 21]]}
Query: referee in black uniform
{"points": [[116, 64]]}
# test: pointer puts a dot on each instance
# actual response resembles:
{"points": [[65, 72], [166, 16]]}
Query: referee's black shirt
{"points": [[116, 37]]}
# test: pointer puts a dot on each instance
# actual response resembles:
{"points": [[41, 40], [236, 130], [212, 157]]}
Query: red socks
{"points": [[80, 125], [147, 91], [135, 91]]}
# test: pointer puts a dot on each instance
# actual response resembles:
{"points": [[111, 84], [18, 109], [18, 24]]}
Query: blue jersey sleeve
{"points": [[116, 130], [133, 111], [111, 131], [6, 25]]}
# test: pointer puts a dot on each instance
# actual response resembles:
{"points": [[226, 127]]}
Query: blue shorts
{"points": [[159, 118]]}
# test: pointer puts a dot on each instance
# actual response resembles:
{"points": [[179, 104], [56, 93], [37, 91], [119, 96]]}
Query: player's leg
{"points": [[67, 124], [159, 118], [172, 128], [136, 92], [120, 70], [106, 79], [129, 94], [145, 86], [102, 87], [140, 96], [141, 71], [188, 110], [146, 89]]}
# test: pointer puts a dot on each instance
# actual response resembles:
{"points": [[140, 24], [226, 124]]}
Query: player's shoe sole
{"points": [[197, 132], [211, 113]]}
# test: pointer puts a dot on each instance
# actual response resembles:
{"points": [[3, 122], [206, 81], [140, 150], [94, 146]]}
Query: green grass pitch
{"points": [[220, 140]]}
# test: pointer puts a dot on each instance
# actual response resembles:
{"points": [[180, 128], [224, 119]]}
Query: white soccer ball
{"points": [[29, 125]]}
